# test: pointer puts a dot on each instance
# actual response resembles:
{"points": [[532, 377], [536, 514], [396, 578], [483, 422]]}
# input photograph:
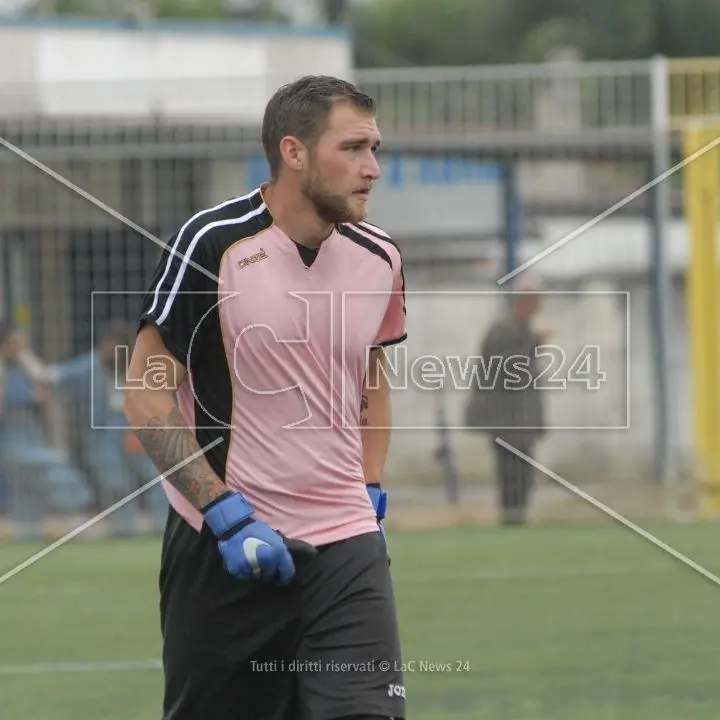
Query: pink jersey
{"points": [[276, 340]]}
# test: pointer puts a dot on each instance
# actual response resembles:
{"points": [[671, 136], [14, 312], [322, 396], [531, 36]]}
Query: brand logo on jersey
{"points": [[257, 257], [396, 691]]}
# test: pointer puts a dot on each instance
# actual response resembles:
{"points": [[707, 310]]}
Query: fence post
{"points": [[702, 183], [665, 436]]}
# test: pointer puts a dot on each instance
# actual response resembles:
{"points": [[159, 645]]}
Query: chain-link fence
{"points": [[85, 204]]}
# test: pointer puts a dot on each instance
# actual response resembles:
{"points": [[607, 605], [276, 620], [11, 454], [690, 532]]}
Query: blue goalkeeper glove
{"points": [[378, 498], [250, 548]]}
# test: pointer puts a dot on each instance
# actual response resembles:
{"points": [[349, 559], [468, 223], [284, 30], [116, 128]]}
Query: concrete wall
{"points": [[216, 72]]}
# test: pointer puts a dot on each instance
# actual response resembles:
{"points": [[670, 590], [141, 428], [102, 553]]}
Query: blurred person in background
{"points": [[39, 479], [110, 450], [509, 405]]}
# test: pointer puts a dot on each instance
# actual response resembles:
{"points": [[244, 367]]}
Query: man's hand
{"points": [[378, 498], [251, 549]]}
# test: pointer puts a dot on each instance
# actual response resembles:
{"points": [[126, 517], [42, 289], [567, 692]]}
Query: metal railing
{"points": [[551, 97], [562, 97], [694, 90]]}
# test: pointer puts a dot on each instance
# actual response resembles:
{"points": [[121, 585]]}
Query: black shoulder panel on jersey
{"points": [[184, 288], [365, 242], [379, 234], [221, 226]]}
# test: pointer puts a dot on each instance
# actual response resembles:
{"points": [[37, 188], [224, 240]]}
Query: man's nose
{"points": [[372, 168]]}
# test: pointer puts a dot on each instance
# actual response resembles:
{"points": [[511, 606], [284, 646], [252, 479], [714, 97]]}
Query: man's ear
{"points": [[293, 153]]}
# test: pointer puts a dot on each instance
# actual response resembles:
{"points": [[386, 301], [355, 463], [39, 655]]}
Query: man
{"points": [[266, 309], [117, 467], [512, 408], [38, 477]]}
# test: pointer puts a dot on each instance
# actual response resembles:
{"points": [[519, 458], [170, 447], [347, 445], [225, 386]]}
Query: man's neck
{"points": [[295, 216]]}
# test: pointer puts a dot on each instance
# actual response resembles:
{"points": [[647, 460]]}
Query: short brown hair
{"points": [[302, 108]]}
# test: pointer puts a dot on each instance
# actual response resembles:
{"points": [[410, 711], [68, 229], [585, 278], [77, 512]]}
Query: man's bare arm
{"points": [[160, 428], [375, 417]]}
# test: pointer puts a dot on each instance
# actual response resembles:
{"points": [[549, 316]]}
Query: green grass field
{"points": [[538, 623]]}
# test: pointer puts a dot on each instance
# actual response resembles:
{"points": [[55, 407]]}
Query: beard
{"points": [[330, 207]]}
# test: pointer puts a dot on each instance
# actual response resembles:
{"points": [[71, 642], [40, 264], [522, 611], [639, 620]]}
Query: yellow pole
{"points": [[702, 179]]}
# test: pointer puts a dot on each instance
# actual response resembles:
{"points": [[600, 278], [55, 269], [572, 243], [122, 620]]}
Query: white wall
{"points": [[194, 71]]}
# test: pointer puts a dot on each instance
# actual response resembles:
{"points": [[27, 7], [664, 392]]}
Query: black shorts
{"points": [[322, 648]]}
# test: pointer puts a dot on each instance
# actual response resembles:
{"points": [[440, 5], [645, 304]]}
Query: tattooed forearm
{"points": [[168, 442], [363, 407]]}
